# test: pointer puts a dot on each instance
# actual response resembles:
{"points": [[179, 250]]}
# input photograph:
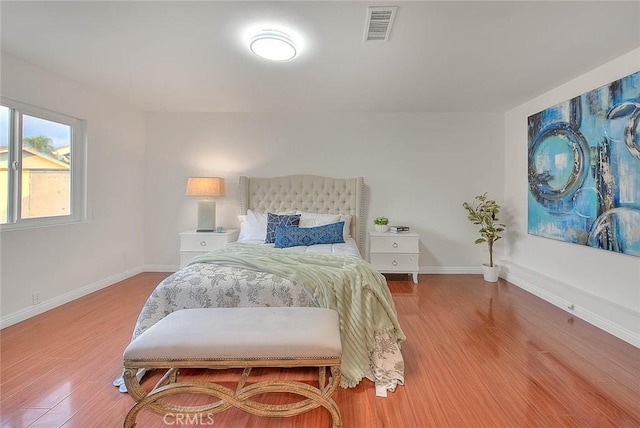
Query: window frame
{"points": [[77, 166]]}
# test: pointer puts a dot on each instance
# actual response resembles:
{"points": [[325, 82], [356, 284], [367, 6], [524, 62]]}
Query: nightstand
{"points": [[395, 252], [194, 243]]}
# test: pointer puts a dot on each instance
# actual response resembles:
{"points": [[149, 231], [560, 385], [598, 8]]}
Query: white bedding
{"points": [[349, 248]]}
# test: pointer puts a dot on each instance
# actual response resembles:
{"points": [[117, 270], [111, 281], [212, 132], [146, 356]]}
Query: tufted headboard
{"points": [[308, 193]]}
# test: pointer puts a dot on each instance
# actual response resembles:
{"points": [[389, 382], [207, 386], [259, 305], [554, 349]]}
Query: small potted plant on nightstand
{"points": [[484, 212], [381, 224]]}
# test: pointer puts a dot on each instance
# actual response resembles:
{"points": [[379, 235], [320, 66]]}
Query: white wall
{"points": [[603, 286], [418, 169], [65, 262]]}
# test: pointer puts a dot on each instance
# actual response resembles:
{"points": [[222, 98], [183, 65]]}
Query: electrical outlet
{"points": [[35, 298]]}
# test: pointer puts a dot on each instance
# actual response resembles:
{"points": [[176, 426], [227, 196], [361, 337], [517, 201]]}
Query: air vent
{"points": [[379, 22]]}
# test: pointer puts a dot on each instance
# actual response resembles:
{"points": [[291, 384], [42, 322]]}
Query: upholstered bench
{"points": [[223, 338]]}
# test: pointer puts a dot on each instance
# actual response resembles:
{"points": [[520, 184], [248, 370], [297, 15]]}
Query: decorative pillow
{"points": [[317, 219], [274, 220], [296, 236]]}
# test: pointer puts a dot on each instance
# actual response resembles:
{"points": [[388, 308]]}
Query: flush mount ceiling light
{"points": [[273, 45]]}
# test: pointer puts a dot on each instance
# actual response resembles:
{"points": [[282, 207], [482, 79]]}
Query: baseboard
{"points": [[450, 270], [611, 317], [160, 268], [47, 305]]}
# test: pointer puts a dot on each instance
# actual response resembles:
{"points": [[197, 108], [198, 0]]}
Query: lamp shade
{"points": [[205, 186]]}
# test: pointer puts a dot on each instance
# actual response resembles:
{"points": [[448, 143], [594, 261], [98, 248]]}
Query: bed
{"points": [[253, 273]]}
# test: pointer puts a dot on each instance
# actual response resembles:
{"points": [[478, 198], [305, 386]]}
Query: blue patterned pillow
{"points": [[295, 236], [274, 220]]}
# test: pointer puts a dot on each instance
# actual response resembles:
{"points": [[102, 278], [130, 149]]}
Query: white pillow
{"points": [[313, 220], [317, 219], [253, 226], [347, 224]]}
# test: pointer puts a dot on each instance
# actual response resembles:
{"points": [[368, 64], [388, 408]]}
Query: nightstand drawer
{"points": [[394, 244], [203, 242], [395, 262], [206, 241]]}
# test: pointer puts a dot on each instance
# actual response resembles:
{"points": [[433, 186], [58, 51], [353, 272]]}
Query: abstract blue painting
{"points": [[584, 169]]}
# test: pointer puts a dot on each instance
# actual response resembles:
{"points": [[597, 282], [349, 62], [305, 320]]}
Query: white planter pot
{"points": [[381, 227], [491, 274]]}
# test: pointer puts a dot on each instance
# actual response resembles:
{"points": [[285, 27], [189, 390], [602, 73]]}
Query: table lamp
{"points": [[206, 186]]}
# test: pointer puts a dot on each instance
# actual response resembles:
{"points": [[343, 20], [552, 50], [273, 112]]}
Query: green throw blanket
{"points": [[346, 284]]}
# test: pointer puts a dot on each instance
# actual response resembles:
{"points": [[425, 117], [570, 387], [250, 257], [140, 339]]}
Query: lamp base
{"points": [[206, 216]]}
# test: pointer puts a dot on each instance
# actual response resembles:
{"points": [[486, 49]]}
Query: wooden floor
{"points": [[477, 355]]}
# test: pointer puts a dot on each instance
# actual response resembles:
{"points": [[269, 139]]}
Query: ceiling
{"points": [[447, 56]]}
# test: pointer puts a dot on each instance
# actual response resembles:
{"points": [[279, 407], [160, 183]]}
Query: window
{"points": [[42, 167]]}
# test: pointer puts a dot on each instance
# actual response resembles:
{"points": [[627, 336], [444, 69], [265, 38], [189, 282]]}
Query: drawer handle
{"points": [[394, 245], [203, 243], [395, 263]]}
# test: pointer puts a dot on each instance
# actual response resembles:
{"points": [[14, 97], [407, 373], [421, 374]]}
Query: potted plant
{"points": [[381, 224], [484, 212]]}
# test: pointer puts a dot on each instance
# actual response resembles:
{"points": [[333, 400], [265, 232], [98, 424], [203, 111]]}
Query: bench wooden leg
{"points": [[240, 398]]}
